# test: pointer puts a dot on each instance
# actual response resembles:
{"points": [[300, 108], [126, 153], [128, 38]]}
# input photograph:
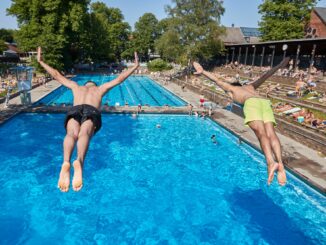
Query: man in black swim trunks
{"points": [[82, 121]]}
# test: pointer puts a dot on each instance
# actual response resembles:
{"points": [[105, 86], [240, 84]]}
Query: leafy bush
{"points": [[158, 65]]}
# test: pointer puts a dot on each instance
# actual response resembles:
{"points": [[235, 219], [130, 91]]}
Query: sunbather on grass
{"points": [[301, 113], [300, 87], [309, 117], [318, 123], [283, 108], [270, 88]]}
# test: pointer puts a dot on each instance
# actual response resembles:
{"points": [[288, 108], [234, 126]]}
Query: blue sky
{"points": [[238, 12]]}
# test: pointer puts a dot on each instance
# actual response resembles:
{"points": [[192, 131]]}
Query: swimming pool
{"points": [[144, 185], [134, 91]]}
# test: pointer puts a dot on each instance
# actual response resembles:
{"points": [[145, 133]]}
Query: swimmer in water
{"points": [[213, 139]]}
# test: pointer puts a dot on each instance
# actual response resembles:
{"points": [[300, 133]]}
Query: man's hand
{"points": [[199, 68], [123, 76], [55, 73], [39, 54]]}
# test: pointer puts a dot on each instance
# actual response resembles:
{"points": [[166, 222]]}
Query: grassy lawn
{"points": [[4, 93]]}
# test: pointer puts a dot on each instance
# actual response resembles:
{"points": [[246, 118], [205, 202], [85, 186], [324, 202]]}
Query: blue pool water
{"points": [[144, 185], [135, 90]]}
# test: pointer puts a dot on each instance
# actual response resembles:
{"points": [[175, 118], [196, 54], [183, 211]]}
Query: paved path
{"points": [[15, 105], [36, 94]]}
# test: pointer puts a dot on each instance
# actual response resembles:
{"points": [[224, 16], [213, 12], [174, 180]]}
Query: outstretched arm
{"points": [[200, 71], [270, 73], [123, 76], [55, 73]]}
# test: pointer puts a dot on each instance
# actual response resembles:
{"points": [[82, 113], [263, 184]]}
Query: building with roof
{"points": [[243, 45], [303, 52], [237, 35], [11, 51], [317, 26]]}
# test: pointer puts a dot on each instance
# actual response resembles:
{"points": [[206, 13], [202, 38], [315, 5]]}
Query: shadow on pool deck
{"points": [[273, 224]]}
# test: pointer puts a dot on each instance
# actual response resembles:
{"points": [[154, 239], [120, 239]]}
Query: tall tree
{"points": [[56, 25], [7, 35], [193, 30], [3, 46], [168, 46], [145, 34], [119, 32], [284, 19], [110, 32]]}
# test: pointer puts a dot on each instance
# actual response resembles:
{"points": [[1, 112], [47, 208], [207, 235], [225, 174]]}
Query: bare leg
{"points": [[276, 147], [68, 147], [259, 130], [85, 134]]}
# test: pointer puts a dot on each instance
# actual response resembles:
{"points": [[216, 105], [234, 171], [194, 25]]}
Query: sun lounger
{"points": [[291, 94], [291, 111], [312, 98]]}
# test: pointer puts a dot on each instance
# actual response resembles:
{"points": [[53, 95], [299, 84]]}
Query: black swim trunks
{"points": [[81, 113]]}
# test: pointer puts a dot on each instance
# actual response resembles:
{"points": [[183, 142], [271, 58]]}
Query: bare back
{"points": [[241, 94], [87, 95]]}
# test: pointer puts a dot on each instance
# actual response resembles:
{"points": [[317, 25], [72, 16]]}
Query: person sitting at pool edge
{"points": [[82, 121], [258, 116]]}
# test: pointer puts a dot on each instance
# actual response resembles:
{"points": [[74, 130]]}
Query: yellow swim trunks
{"points": [[258, 109]]}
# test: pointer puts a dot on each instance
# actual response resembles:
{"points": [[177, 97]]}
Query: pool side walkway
{"points": [[15, 104]]}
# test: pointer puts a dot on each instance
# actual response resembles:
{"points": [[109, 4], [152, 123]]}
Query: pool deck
{"points": [[298, 158], [15, 104]]}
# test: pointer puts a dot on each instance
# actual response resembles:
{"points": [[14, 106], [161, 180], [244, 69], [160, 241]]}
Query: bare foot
{"points": [[271, 171], [64, 178], [77, 181], [281, 175]]}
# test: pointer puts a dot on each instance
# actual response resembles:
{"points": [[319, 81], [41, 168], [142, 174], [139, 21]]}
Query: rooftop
{"points": [[321, 12], [250, 32], [237, 35]]}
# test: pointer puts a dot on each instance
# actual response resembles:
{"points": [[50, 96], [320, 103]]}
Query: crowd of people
{"points": [[9, 84], [306, 83], [289, 71], [301, 115]]}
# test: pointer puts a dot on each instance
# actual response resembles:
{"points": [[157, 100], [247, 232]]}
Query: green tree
{"points": [[3, 46], [284, 19], [145, 34], [192, 31], [56, 25], [128, 53], [7, 35], [168, 46], [119, 32], [107, 35], [158, 65]]}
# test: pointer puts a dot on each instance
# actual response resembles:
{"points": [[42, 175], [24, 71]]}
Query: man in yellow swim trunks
{"points": [[258, 116]]}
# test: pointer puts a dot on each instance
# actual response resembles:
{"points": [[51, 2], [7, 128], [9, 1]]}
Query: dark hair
{"points": [[236, 84], [89, 81]]}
